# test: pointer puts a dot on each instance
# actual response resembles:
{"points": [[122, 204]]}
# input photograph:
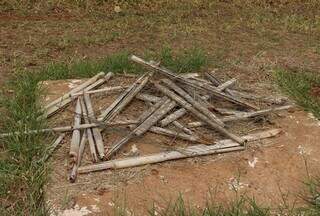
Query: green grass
{"points": [[241, 206], [189, 61], [23, 173], [299, 86], [117, 63], [312, 198], [22, 177]]}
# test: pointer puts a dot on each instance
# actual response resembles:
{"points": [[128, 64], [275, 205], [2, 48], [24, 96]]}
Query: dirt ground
{"points": [[267, 170], [241, 44]]}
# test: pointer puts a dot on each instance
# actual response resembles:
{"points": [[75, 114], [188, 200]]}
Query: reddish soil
{"points": [[280, 171], [267, 170]]}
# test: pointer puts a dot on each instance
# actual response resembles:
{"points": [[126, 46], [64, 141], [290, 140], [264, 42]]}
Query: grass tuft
{"points": [[302, 87], [22, 177], [241, 206], [192, 60], [312, 198], [117, 63]]}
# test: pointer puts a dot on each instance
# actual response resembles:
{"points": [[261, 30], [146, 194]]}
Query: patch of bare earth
{"points": [[267, 170]]}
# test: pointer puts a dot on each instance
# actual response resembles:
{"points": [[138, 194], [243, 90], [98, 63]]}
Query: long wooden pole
{"points": [[222, 146], [244, 116], [71, 128], [95, 131], [75, 139], [89, 132], [74, 169]]}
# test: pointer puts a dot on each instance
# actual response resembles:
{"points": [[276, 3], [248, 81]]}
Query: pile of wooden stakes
{"points": [[181, 94]]}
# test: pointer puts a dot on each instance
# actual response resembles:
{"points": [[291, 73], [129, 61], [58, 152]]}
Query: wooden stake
{"points": [[99, 82], [216, 82], [148, 97], [173, 117], [212, 78], [103, 90], [226, 85], [182, 127], [172, 133], [71, 128]]}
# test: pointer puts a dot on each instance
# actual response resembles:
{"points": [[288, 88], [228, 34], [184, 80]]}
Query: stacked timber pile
{"points": [[170, 98]]}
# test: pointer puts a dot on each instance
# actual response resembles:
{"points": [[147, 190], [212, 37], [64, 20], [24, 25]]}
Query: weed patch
{"points": [[189, 61], [313, 197], [302, 87], [22, 177]]}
